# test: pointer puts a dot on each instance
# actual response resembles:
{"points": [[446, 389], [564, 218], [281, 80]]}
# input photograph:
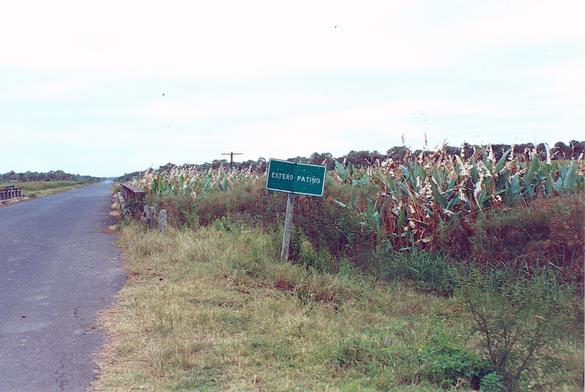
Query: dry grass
{"points": [[207, 310], [34, 189], [46, 188], [211, 310]]}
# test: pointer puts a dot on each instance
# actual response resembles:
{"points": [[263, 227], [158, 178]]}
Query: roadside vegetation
{"points": [[434, 272], [214, 309], [57, 175], [486, 209], [45, 188], [34, 189], [35, 184]]}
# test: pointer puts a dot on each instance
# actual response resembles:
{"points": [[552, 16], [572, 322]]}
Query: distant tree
{"points": [[262, 165], [562, 151], [467, 150], [541, 151], [577, 147], [58, 175], [522, 151], [359, 158], [325, 159], [299, 159], [451, 151], [500, 149], [398, 153]]}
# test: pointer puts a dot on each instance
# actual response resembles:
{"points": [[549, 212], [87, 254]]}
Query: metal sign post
{"points": [[288, 217], [293, 178]]}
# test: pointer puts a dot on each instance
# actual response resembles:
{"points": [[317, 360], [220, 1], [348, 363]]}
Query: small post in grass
{"points": [[293, 178]]}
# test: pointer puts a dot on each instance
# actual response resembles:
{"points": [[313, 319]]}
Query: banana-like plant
{"points": [[405, 203], [417, 197]]}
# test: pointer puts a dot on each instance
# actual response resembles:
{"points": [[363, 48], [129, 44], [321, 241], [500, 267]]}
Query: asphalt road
{"points": [[58, 269]]}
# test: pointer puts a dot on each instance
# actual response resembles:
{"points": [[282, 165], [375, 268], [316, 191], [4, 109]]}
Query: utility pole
{"points": [[231, 154]]}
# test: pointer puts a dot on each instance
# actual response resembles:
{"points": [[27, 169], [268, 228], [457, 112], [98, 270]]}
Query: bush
{"points": [[491, 383], [180, 210], [447, 364], [329, 226], [312, 258], [321, 221], [430, 272], [548, 230], [545, 232], [243, 201], [517, 318], [302, 251]]}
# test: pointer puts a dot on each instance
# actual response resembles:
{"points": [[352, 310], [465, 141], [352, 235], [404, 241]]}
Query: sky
{"points": [[109, 87]]}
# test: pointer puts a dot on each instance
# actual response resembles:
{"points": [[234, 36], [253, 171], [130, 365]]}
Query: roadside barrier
{"points": [[132, 204], [132, 200], [10, 192]]}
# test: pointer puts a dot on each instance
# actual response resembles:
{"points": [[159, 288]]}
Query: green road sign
{"points": [[291, 177]]}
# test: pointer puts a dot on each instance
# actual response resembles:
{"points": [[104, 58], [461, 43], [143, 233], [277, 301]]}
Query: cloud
{"points": [[232, 38], [81, 83]]}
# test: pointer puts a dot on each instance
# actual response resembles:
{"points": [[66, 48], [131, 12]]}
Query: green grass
{"points": [[210, 309], [35, 189]]}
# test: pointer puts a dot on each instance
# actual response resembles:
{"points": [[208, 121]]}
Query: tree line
{"points": [[559, 151], [57, 175]]}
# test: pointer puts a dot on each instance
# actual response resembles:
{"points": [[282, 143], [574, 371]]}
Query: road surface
{"points": [[58, 269]]}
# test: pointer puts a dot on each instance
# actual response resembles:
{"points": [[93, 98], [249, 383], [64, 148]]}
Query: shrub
{"points": [[517, 318], [312, 258], [327, 226], [244, 201], [491, 383], [549, 230], [430, 272], [543, 233], [180, 209], [447, 364], [302, 251]]}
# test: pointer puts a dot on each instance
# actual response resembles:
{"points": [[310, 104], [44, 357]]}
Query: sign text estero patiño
{"points": [[291, 177]]}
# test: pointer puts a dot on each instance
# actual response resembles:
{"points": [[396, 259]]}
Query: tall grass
{"points": [[438, 202], [214, 309], [374, 298], [404, 203]]}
